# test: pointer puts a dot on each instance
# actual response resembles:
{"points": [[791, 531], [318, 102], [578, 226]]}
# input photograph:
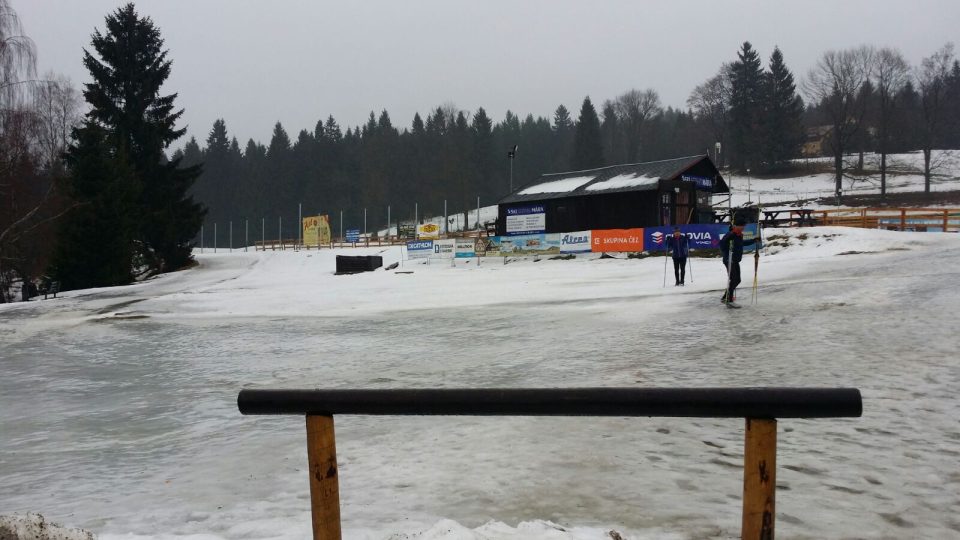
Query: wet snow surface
{"points": [[118, 406]]}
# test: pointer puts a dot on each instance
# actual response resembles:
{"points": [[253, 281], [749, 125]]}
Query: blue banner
{"points": [[702, 235], [353, 235], [702, 182]]}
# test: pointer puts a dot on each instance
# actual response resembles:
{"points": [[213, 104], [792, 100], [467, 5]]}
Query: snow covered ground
{"points": [[904, 175], [118, 406]]}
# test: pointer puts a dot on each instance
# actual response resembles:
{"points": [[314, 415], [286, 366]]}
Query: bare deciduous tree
{"points": [[710, 102], [836, 83], [57, 105], [931, 79], [890, 72], [634, 108]]}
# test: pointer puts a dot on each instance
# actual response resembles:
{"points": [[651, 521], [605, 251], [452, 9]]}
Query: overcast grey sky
{"points": [[253, 63]]}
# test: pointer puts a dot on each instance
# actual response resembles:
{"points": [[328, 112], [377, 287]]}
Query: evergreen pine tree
{"points": [[783, 109], [95, 245], [745, 108], [587, 146], [125, 100]]}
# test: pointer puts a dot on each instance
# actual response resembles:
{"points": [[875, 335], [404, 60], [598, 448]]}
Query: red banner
{"points": [[617, 240]]}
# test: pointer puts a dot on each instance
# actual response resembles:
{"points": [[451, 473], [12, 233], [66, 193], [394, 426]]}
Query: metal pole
{"points": [[445, 228], [263, 233], [511, 174], [341, 226], [201, 238], [214, 236], [231, 235], [280, 231], [388, 222], [246, 234], [300, 221], [416, 214], [478, 212], [364, 222]]}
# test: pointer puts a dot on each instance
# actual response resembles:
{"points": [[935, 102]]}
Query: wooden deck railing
{"points": [[761, 407]]}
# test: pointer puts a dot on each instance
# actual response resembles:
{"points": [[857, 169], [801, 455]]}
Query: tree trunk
{"points": [[838, 172], [926, 170], [883, 175], [860, 162]]}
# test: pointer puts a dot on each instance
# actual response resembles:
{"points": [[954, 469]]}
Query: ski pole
{"points": [[664, 268], [690, 265]]}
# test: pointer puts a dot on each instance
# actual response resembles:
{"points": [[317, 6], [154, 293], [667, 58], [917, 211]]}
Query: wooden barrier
{"points": [[760, 406], [947, 219]]}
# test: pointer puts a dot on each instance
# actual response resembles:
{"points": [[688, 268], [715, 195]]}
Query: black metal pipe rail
{"points": [[670, 402]]}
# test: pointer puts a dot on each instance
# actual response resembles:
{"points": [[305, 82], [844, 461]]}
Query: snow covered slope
{"points": [[118, 412]]}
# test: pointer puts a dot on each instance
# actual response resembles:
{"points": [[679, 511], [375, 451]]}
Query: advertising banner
{"points": [[483, 247], [443, 249], [702, 236], [617, 240], [420, 249], [353, 235], [702, 182], [316, 230], [530, 244], [575, 242], [526, 220], [406, 230], [493, 247], [428, 231], [464, 248]]}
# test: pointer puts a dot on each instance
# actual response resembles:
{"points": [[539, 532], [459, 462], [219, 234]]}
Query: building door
{"points": [[685, 207], [666, 208]]}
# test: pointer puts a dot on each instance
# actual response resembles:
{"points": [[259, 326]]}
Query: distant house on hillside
{"points": [[668, 192], [817, 139]]}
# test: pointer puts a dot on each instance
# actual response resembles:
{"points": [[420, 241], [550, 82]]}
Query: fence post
{"points": [[324, 481], [946, 220], [863, 218], [903, 219], [759, 479]]}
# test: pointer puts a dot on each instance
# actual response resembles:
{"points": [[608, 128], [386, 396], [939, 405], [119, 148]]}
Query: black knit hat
{"points": [[739, 220]]}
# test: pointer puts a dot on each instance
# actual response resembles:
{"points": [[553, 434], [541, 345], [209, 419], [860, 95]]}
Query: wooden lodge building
{"points": [[668, 192]]}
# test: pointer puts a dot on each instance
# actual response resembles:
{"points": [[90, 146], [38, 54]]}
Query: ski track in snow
{"points": [[119, 405]]}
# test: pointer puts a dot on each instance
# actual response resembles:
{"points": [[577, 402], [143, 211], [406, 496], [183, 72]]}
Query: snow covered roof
{"points": [[614, 179]]}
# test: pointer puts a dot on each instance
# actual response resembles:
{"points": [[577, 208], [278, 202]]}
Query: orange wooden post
{"points": [[759, 479], [324, 481], [863, 218], [903, 219]]}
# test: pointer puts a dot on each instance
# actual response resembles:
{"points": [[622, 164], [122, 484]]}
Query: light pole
{"points": [[512, 154]]}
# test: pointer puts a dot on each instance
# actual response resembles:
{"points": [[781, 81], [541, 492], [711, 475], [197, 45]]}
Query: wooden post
{"points": [[863, 218], [946, 220], [903, 219], [324, 483], [759, 479]]}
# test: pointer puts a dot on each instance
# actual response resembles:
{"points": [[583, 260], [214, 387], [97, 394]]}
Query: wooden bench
{"points": [[50, 288]]}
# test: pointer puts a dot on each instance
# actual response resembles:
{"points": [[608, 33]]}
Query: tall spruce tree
{"points": [[782, 112], [587, 144], [95, 244], [125, 101], [745, 107]]}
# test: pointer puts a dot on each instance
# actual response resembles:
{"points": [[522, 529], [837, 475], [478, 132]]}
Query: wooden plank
{"points": [[759, 479], [324, 481]]}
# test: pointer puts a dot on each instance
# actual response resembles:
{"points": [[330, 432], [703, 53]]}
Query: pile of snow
{"points": [[36, 527]]}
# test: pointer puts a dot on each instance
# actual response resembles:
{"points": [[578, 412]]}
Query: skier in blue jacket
{"points": [[679, 247], [731, 248]]}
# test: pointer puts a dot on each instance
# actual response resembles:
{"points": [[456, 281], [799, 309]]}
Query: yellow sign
{"points": [[428, 231], [316, 230]]}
